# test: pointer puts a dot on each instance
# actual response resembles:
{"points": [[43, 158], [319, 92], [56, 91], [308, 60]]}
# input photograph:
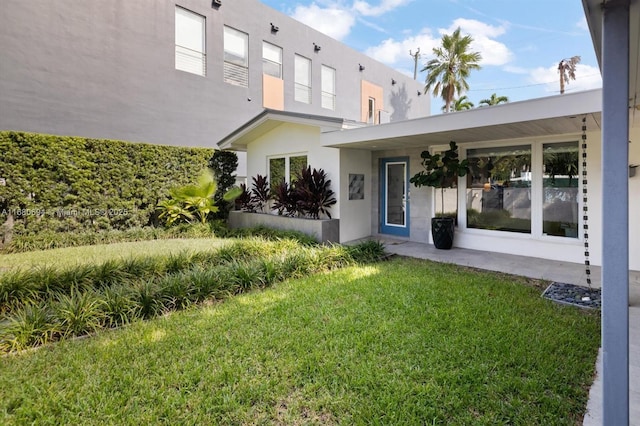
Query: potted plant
{"points": [[441, 171]]}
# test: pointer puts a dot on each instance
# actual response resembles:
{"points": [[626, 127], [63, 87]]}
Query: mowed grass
{"points": [[405, 342], [83, 255]]}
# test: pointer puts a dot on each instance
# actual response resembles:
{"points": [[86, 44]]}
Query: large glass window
{"points": [[499, 188], [271, 60], [302, 78], [328, 87], [190, 42], [236, 57], [560, 186]]}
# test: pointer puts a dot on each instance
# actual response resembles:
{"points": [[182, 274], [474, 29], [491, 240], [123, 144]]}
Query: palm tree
{"points": [[567, 70], [494, 100], [448, 71], [460, 104]]}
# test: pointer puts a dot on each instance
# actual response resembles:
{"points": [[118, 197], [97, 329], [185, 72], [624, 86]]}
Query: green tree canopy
{"points": [[494, 100], [447, 73], [460, 104]]}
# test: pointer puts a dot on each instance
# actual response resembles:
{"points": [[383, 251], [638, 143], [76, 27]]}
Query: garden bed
{"points": [[323, 230]]}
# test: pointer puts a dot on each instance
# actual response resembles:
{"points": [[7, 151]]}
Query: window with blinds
{"points": [[302, 78], [190, 42], [236, 57], [271, 60], [328, 87]]}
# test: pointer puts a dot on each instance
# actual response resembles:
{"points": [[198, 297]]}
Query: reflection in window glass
{"points": [[296, 164], [190, 42], [328, 87], [236, 58], [302, 79], [271, 60], [560, 183], [285, 169], [499, 188], [276, 171], [396, 185]]}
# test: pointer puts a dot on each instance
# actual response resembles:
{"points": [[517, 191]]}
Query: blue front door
{"points": [[394, 200]]}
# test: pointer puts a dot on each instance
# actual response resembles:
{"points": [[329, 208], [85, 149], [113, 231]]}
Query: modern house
{"points": [[554, 178], [183, 72], [524, 194]]}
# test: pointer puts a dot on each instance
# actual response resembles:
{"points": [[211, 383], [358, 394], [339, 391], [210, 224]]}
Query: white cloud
{"points": [[476, 28], [493, 52], [392, 51], [587, 77], [366, 9], [333, 21]]}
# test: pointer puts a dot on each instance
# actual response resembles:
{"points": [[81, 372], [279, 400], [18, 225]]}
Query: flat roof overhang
{"points": [[593, 10], [554, 115]]}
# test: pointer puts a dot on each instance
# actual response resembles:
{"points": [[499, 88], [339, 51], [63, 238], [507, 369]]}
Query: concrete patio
{"points": [[553, 271]]}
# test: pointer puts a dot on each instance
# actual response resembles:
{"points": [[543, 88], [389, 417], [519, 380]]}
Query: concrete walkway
{"points": [[554, 271]]}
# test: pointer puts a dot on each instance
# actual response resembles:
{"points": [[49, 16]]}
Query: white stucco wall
{"points": [[355, 215], [295, 139]]}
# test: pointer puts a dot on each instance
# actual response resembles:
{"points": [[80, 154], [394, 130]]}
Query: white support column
{"points": [[615, 213]]}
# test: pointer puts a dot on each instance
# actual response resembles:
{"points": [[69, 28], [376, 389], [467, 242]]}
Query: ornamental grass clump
{"points": [[119, 306], [78, 313], [31, 325]]}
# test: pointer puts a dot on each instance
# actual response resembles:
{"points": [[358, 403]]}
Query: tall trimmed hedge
{"points": [[64, 183]]}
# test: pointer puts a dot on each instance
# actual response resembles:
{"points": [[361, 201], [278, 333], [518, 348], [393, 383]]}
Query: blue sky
{"points": [[521, 42]]}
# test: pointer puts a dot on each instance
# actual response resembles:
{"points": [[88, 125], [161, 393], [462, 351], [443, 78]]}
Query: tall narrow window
{"points": [[371, 115], [190, 42], [499, 188], [328, 88], [236, 57], [271, 60], [560, 186], [302, 79]]}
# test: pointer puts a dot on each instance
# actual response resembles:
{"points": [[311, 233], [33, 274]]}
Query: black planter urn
{"points": [[442, 229]]}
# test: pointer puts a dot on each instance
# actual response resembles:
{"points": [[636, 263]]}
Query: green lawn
{"points": [[404, 342], [83, 255]]}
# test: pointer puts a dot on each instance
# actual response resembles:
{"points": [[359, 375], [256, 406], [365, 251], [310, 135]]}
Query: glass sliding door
{"points": [[394, 212]]}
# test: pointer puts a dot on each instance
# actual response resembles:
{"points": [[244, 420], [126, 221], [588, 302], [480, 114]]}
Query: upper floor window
{"points": [[328, 87], [190, 42], [302, 78], [236, 57], [271, 60]]}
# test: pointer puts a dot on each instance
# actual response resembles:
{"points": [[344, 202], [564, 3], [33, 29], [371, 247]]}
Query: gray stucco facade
{"points": [[107, 69]]}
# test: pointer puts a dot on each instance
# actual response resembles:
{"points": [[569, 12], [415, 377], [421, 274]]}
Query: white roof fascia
{"points": [[535, 109]]}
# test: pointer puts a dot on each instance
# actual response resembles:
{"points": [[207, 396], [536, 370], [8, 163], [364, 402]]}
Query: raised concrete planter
{"points": [[323, 230]]}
